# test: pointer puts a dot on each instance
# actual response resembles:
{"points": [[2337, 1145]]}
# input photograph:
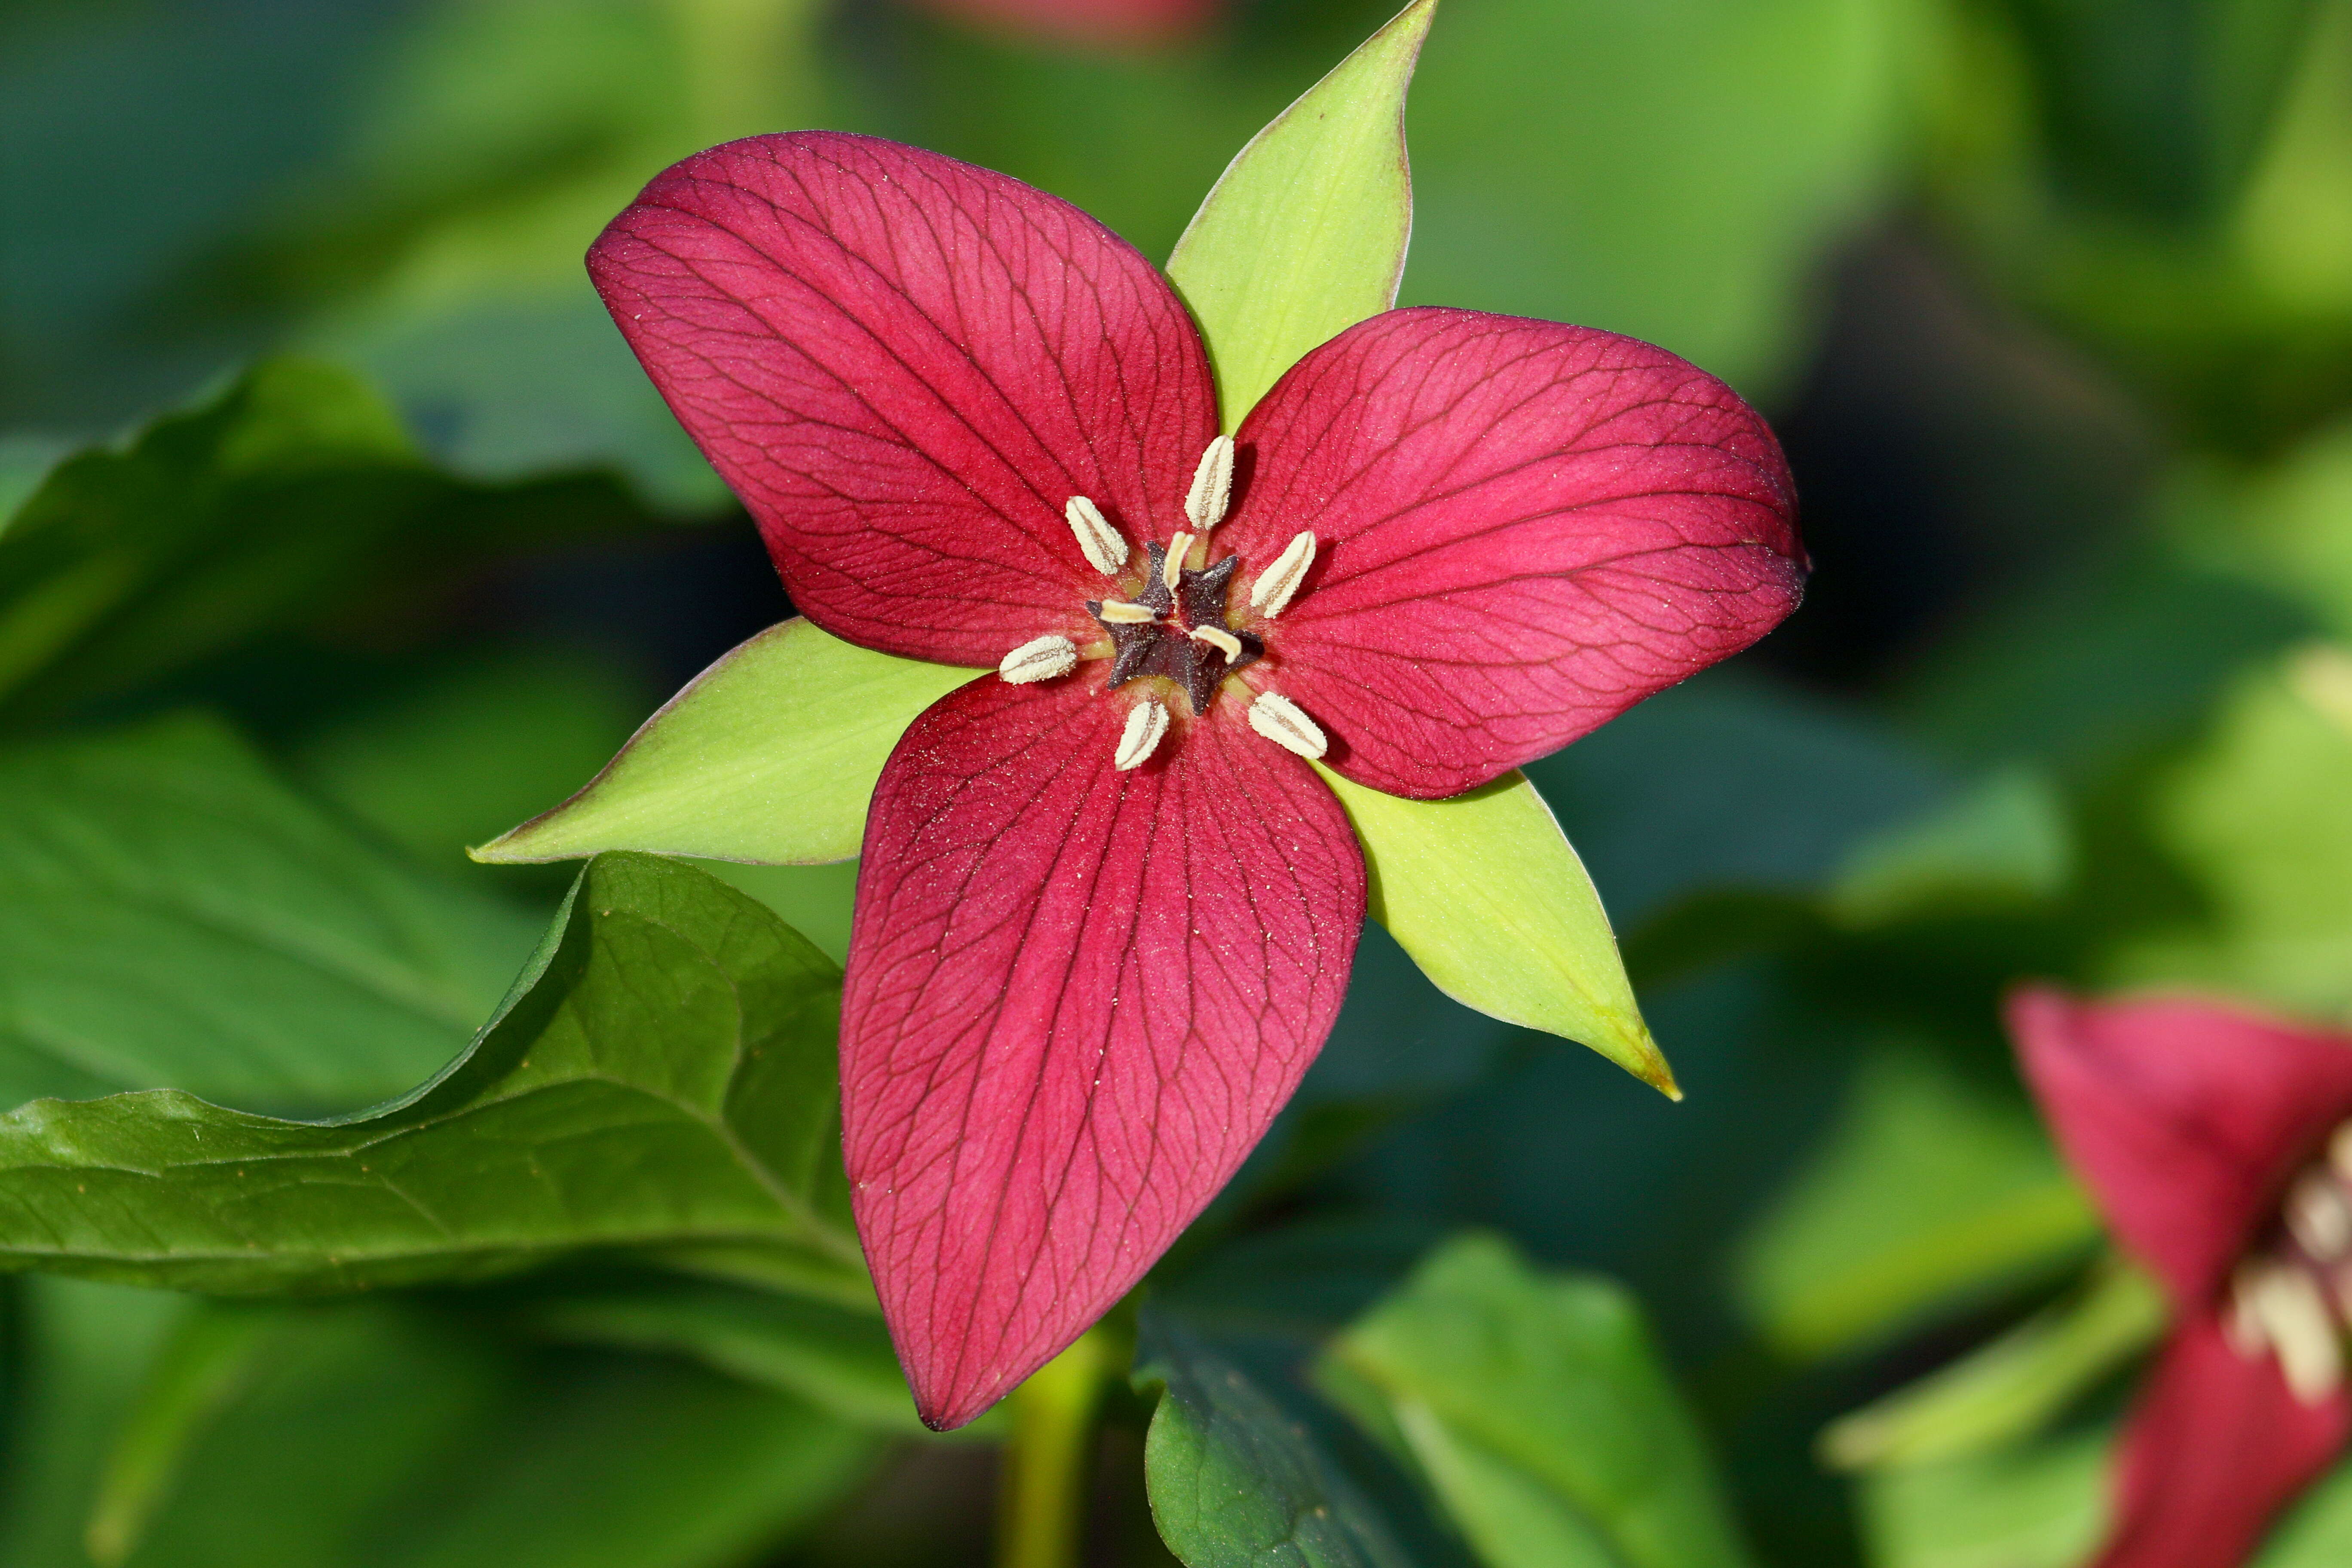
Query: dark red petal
{"points": [[1076, 999], [905, 366], [2214, 1447], [2186, 1117], [1526, 528]]}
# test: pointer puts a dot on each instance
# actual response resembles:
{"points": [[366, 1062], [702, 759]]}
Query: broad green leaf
{"points": [[172, 915], [2158, 109], [1999, 847], [1929, 1191], [79, 1355], [616, 1463], [2260, 818], [2012, 1387], [1486, 894], [771, 754], [458, 755], [662, 1075], [251, 511], [1234, 1481], [385, 1435], [1536, 1407], [2315, 1532], [816, 900], [1675, 169], [837, 1360], [211, 1354], [1304, 235], [2041, 1505]]}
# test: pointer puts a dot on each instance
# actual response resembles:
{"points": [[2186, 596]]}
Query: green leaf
{"points": [[2316, 1531], [1235, 1482], [388, 1435], [2259, 818], [771, 754], [2037, 1506], [247, 512], [1304, 235], [1536, 1407], [1674, 169], [661, 1074], [454, 757], [1486, 894], [837, 1360], [77, 1363], [172, 915], [2012, 1387], [2001, 846], [618, 1463], [1929, 1191], [210, 1356]]}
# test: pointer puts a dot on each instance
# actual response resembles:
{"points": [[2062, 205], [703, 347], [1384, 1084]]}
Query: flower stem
{"points": [[1043, 1501]]}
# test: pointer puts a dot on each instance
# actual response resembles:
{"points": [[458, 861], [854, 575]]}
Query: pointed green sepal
{"points": [[1304, 235], [768, 756], [1487, 895]]}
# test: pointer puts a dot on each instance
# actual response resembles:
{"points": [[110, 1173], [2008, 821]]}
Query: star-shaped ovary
{"points": [[1186, 639]]}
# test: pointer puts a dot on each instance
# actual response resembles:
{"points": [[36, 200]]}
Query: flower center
{"points": [[1186, 639], [2293, 1295], [1178, 626]]}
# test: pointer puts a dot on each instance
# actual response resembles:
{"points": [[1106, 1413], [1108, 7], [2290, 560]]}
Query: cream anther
{"points": [[1212, 486], [2293, 1316], [1277, 585], [1147, 723], [1217, 637], [1121, 612], [1043, 659], [1106, 550], [1280, 720], [1171, 571], [2318, 1218]]}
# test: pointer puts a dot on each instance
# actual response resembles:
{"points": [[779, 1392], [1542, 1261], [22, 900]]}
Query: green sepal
{"points": [[768, 756], [1487, 895], [1304, 235]]}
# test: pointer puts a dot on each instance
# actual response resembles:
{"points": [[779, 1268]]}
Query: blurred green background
{"points": [[2050, 301]]}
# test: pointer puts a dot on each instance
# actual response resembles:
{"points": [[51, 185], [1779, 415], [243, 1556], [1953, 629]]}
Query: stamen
{"points": [[1278, 582], [1044, 659], [2241, 1324], [2317, 1217], [2292, 1313], [1279, 719], [1119, 612], [1106, 550], [1223, 641], [1172, 570], [1147, 722], [1212, 486], [2339, 1151]]}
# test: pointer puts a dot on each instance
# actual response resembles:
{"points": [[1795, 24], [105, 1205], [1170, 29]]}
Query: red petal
{"points": [[1076, 999], [1525, 528], [2186, 1117], [905, 366], [2214, 1447]]}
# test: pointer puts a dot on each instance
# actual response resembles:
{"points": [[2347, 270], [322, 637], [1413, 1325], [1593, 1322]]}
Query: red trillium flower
{"points": [[1107, 907], [2219, 1144]]}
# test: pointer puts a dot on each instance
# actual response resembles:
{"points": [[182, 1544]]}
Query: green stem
{"points": [[1043, 1501]]}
